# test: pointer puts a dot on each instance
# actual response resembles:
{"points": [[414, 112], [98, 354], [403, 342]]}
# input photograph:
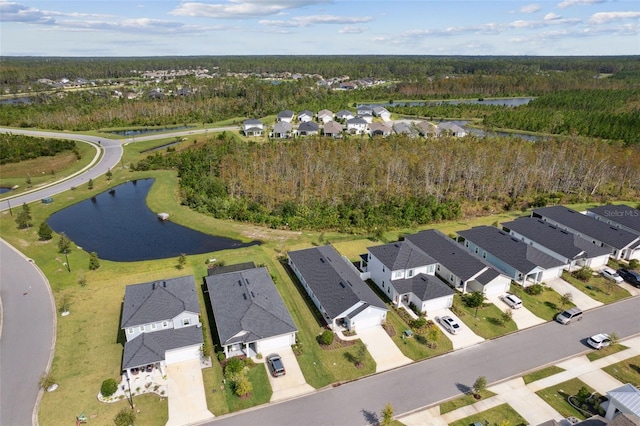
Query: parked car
{"points": [[512, 300], [632, 277], [610, 274], [565, 317], [275, 365], [449, 324], [599, 341]]}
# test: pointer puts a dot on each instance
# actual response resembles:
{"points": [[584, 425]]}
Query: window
{"points": [[142, 328], [451, 277], [186, 321], [130, 330], [438, 267], [389, 289], [383, 269], [165, 324], [476, 250], [410, 274], [154, 326], [484, 254], [466, 243]]}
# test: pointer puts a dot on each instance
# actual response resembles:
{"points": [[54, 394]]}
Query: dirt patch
{"points": [[391, 331], [268, 234], [338, 343]]}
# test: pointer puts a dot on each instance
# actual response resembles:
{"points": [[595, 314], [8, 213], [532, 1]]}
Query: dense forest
{"points": [[16, 148], [362, 184]]}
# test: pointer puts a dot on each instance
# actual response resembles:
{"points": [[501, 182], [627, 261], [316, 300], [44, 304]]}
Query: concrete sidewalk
{"points": [[580, 299]]}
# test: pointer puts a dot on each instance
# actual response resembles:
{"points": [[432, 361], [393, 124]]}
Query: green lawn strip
{"points": [[596, 355], [545, 305], [463, 401], [599, 288], [493, 417], [486, 324], [261, 393], [627, 371], [556, 396], [542, 373], [214, 389], [411, 347]]}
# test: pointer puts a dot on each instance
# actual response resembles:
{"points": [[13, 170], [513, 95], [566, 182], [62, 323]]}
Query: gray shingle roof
{"points": [[344, 113], [448, 253], [336, 286], [333, 127], [287, 113], [555, 239], [247, 301], [588, 226], [522, 257], [425, 287], [149, 348], [400, 255], [282, 127], [159, 300], [216, 270], [357, 120], [252, 122], [308, 126], [622, 214]]}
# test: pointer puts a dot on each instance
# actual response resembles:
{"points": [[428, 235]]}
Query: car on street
{"points": [[512, 300], [276, 367], [565, 317], [449, 324], [632, 277], [599, 341], [610, 274]]}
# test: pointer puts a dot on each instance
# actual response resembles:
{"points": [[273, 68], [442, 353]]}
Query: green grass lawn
{"points": [[556, 396], [599, 288], [486, 324], [597, 354], [627, 371], [542, 373], [412, 347], [261, 393], [494, 417], [545, 305], [463, 401]]}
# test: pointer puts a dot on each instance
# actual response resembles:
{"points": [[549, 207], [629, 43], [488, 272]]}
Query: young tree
{"points": [[90, 184], [109, 174], [94, 262], [386, 415], [23, 220], [125, 417], [28, 181], [358, 358], [182, 260], [479, 385], [64, 243], [475, 300], [242, 386], [45, 232], [506, 316], [46, 380], [566, 299], [614, 338]]}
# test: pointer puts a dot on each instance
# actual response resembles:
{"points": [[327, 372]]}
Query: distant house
{"points": [[286, 116], [364, 110], [308, 128], [250, 316], [305, 115], [252, 127], [379, 129], [452, 129], [344, 115], [428, 130], [325, 116], [335, 287], [622, 244], [333, 129], [402, 128], [349, 85], [620, 216], [382, 112], [571, 249], [357, 126], [160, 320], [521, 262], [282, 130]]}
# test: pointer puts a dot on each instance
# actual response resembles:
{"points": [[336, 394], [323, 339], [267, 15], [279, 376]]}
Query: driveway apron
{"points": [[291, 384], [382, 349], [185, 391], [522, 317], [464, 338], [580, 299]]}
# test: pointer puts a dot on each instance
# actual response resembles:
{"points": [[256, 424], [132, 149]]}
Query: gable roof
{"points": [[356, 121], [427, 128], [379, 128], [622, 214], [335, 284], [448, 253], [403, 128], [400, 255], [555, 239], [379, 110], [247, 307], [325, 113], [344, 113], [282, 127], [588, 226], [252, 122], [287, 113], [425, 287], [628, 397], [308, 126], [452, 127], [306, 113], [333, 127], [159, 300], [149, 348], [230, 268], [522, 257]]}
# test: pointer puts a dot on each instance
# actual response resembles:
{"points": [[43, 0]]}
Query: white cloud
{"points": [[530, 8], [551, 17], [351, 30], [604, 17], [305, 21], [568, 3], [234, 9]]}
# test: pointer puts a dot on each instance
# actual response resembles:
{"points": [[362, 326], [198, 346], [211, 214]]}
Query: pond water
{"points": [[119, 226], [512, 102], [136, 132], [4, 189], [15, 101]]}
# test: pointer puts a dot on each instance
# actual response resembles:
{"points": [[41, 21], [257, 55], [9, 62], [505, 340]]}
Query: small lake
{"points": [[119, 226], [136, 132], [15, 101], [4, 189], [511, 102]]}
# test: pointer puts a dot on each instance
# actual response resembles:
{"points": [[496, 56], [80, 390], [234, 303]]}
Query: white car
{"points": [[512, 300], [599, 341], [610, 274], [449, 324]]}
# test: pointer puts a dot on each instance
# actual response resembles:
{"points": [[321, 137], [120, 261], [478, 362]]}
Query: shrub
{"points": [[534, 289], [46, 380], [326, 338], [583, 274], [242, 386], [479, 385], [634, 264], [419, 323], [45, 232], [109, 387], [221, 356], [125, 417], [234, 366]]}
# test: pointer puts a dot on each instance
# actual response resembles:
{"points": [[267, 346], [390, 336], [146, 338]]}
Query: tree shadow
{"points": [[551, 305], [349, 357], [635, 368], [370, 417], [495, 321], [465, 389]]}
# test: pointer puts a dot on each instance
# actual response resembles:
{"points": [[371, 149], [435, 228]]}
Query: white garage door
{"points": [[368, 318], [267, 346], [182, 354], [551, 273], [498, 286], [437, 304]]}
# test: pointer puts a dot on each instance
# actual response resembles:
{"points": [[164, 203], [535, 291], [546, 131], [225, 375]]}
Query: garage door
{"points": [[497, 287], [551, 273], [367, 318], [182, 354], [437, 304], [267, 346]]}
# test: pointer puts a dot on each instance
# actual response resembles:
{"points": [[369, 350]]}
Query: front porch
{"points": [[241, 349]]}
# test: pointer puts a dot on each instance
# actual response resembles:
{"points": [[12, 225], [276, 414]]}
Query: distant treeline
{"points": [[361, 184], [16, 148]]}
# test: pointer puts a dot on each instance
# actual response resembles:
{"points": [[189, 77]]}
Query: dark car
{"points": [[632, 277], [275, 365]]}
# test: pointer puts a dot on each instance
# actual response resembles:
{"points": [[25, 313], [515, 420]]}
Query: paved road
{"points": [[428, 382], [28, 333]]}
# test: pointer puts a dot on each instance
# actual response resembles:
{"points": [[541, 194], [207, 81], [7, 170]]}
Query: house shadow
{"points": [[217, 347], [370, 417], [121, 338]]}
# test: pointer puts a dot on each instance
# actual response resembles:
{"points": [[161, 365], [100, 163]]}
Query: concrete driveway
{"points": [[634, 291], [580, 299], [465, 337], [291, 384], [523, 317], [185, 392], [382, 348]]}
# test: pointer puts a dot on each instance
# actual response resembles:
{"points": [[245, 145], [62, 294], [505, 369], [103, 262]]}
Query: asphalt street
{"points": [[428, 382]]}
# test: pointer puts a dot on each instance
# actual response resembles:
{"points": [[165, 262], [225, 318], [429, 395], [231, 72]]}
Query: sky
{"points": [[319, 27]]}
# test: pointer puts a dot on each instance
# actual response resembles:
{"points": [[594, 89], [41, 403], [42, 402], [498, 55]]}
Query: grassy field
{"points": [[597, 354], [463, 401], [545, 305], [260, 394], [556, 396], [487, 323], [627, 371], [494, 417], [598, 288], [542, 373]]}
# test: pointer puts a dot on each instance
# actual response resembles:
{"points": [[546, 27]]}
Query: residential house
{"points": [[308, 128], [624, 400], [622, 244], [382, 112], [344, 115], [403, 128], [357, 126], [286, 116], [282, 130], [452, 129], [249, 314], [364, 110], [428, 130], [520, 261], [325, 116], [620, 216], [252, 127], [333, 129], [570, 249], [379, 129], [463, 270], [304, 116], [348, 85], [335, 287], [160, 320]]}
